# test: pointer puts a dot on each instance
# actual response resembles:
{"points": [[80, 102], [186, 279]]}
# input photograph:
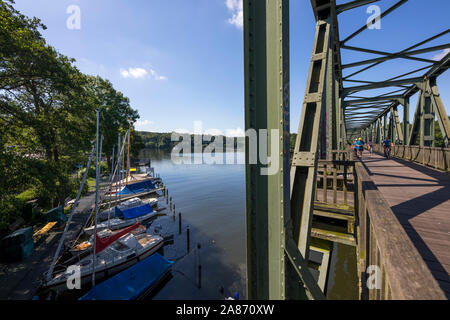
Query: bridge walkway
{"points": [[420, 199]]}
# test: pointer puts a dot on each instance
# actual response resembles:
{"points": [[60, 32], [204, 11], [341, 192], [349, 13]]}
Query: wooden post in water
{"points": [[199, 267], [188, 238], [179, 223]]}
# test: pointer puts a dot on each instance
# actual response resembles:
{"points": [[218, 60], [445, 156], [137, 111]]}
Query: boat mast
{"points": [[118, 168], [112, 165], [113, 172], [128, 156], [100, 161], [96, 202], [69, 220]]}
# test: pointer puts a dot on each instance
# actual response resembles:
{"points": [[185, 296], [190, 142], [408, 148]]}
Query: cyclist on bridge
{"points": [[360, 147], [387, 144]]}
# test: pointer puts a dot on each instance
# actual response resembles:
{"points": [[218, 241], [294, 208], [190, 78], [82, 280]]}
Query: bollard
{"points": [[179, 223], [188, 239]]}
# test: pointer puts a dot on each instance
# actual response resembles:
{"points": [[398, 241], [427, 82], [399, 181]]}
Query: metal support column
{"points": [[405, 121], [266, 52], [444, 121], [398, 127]]}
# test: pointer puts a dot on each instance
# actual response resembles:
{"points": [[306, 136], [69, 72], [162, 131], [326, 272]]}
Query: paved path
{"points": [[420, 198], [19, 281]]}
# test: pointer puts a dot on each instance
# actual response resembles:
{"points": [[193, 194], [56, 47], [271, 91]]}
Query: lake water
{"points": [[211, 199]]}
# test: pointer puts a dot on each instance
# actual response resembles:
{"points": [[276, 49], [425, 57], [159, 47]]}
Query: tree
{"points": [[41, 100], [115, 113], [47, 113]]}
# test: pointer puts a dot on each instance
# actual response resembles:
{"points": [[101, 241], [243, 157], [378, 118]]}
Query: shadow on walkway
{"points": [[414, 207]]}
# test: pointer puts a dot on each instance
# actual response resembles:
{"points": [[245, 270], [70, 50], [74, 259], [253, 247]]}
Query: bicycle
{"points": [[387, 152]]}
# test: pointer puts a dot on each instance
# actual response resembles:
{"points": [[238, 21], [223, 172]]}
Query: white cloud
{"points": [[136, 73], [443, 53], [238, 132], [156, 76], [140, 73], [144, 125], [237, 13]]}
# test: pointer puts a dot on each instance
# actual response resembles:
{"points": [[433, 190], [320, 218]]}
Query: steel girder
{"points": [[272, 253], [408, 87], [279, 218], [429, 107], [266, 51]]}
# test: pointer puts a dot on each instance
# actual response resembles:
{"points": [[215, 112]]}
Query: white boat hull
{"points": [[105, 272]]}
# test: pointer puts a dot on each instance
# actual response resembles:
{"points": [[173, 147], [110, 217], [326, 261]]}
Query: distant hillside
{"points": [[163, 141]]}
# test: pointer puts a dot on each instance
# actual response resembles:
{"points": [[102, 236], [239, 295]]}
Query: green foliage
{"points": [[116, 112], [293, 139], [153, 140], [47, 117], [28, 195], [163, 141], [439, 138]]}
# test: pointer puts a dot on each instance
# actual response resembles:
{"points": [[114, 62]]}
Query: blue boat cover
{"points": [[132, 282], [139, 187], [134, 212]]}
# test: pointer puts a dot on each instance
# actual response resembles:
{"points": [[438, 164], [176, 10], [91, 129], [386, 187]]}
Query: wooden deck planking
{"points": [[420, 198]]}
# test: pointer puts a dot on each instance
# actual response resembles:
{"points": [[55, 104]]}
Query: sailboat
{"points": [[131, 203], [129, 217], [111, 256], [104, 235]]}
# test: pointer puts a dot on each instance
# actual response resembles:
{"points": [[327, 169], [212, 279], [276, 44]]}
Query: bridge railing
{"points": [[334, 182], [343, 155], [438, 158], [389, 265]]}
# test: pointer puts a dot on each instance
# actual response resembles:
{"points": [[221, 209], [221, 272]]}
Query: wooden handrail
{"points": [[383, 242], [438, 158]]}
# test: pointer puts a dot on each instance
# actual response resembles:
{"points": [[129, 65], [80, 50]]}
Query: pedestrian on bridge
{"points": [[354, 147], [370, 147]]}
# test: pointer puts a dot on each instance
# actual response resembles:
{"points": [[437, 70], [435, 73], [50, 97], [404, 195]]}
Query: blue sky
{"points": [[182, 61]]}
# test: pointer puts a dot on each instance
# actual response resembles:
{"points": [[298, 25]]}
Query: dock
{"points": [[19, 281]]}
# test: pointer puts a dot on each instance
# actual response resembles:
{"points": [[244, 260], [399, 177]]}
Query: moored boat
{"points": [[107, 235], [116, 257], [130, 216], [128, 204], [134, 282]]}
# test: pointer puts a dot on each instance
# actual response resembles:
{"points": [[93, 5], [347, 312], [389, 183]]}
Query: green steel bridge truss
{"points": [[280, 207]]}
